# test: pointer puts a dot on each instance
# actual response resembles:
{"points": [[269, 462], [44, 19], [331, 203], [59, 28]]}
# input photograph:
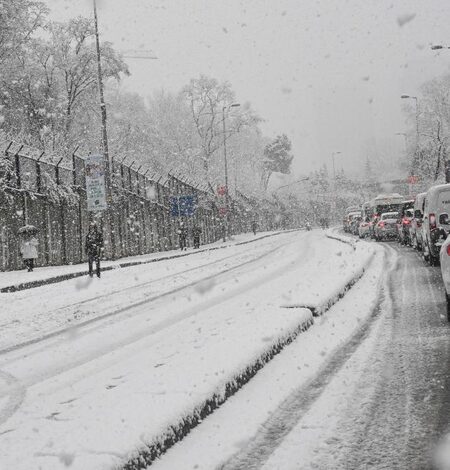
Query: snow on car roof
{"points": [[389, 215]]}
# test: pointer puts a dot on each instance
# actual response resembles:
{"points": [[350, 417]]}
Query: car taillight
{"points": [[406, 221], [381, 224], [432, 221], [448, 250]]}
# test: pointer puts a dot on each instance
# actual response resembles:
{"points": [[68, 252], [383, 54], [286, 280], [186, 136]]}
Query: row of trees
{"points": [[48, 99], [427, 139]]}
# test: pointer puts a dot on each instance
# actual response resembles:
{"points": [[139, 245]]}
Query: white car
{"points": [[387, 226], [435, 219], [444, 256]]}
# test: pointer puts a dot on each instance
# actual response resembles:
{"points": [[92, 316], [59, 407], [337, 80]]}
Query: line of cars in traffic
{"points": [[422, 222]]}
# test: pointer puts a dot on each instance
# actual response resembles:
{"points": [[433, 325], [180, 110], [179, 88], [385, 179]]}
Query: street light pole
{"points": [[417, 115], [227, 200], [417, 134], [334, 168], [334, 183], [108, 163], [306, 178]]}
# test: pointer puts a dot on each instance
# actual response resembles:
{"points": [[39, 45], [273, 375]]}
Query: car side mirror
{"points": [[443, 219]]}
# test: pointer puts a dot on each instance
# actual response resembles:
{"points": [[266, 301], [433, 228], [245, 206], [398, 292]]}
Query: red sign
{"points": [[222, 190], [413, 179]]}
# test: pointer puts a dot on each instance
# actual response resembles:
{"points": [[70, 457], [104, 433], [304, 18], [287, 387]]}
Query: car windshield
{"points": [[389, 215]]}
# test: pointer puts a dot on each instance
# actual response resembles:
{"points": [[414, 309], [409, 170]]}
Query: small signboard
{"points": [[183, 206], [95, 183]]}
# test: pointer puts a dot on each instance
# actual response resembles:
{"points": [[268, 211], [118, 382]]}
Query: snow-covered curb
{"points": [[331, 233], [366, 253], [175, 433]]}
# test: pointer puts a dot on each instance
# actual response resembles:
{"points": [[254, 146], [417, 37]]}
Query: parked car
{"points": [[416, 222], [435, 221], [444, 256], [349, 218], [364, 228], [354, 226], [386, 227]]}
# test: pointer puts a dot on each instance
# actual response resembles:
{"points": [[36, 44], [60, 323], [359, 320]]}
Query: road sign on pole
{"points": [[183, 206], [95, 183]]}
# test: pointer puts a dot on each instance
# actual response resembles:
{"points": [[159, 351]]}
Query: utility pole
{"points": [[334, 184], [108, 163], [227, 198]]}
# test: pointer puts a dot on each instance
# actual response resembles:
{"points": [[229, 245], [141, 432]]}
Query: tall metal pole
{"points": [[108, 163], [227, 204], [334, 185], [417, 121]]}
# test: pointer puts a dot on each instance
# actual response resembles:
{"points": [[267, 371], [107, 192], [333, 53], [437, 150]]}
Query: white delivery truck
{"points": [[436, 218]]}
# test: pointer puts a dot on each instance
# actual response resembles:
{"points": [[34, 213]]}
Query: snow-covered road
{"points": [[375, 397], [91, 370]]}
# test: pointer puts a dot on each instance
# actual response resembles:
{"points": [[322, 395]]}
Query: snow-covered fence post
{"points": [[38, 173], [19, 183], [62, 216]]}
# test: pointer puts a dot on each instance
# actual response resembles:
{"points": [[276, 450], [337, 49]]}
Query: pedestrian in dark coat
{"points": [[94, 246], [183, 233], [254, 227], [196, 232]]}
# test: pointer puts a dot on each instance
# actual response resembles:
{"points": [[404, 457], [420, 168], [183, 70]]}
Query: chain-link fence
{"points": [[50, 194]]}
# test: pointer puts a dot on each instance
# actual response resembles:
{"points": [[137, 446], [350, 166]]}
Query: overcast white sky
{"points": [[328, 73]]}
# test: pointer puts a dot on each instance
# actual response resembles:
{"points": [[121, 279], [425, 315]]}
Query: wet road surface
{"points": [[398, 406]]}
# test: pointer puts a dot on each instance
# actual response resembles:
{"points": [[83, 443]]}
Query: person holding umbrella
{"points": [[29, 246], [94, 246]]}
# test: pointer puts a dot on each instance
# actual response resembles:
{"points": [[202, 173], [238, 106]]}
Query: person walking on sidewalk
{"points": [[183, 232], [196, 232], [254, 227], [94, 246], [28, 249]]}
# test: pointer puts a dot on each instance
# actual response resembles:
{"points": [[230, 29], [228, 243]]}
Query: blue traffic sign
{"points": [[183, 206]]}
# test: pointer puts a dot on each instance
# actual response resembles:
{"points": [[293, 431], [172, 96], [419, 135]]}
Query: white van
{"points": [[435, 219], [416, 222]]}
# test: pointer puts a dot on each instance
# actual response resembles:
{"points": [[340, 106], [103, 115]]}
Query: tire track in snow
{"points": [[14, 396], [100, 318], [291, 411], [192, 311]]}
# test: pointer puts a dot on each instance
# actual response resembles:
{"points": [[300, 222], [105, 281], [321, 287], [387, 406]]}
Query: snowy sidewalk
{"points": [[12, 281]]}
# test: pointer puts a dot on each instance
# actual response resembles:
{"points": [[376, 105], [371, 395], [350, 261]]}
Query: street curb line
{"points": [[126, 264], [177, 432]]}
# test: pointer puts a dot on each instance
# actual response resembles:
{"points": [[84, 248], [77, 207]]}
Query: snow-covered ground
{"points": [[91, 371], [250, 426], [15, 278]]}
